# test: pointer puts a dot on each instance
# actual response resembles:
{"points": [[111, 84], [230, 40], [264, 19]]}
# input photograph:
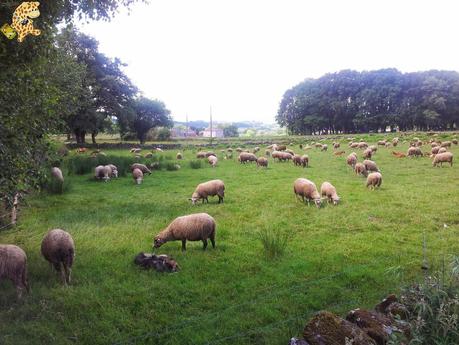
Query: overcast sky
{"points": [[240, 56]]}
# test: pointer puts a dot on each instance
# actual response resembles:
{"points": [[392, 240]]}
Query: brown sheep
{"points": [[58, 249], [454, 141], [262, 162], [296, 160], [354, 145], [374, 180], [435, 150], [13, 266], [336, 145], [329, 191], [367, 153], [201, 154], [446, 144], [142, 167], [360, 169], [373, 148], [395, 142], [445, 157], [414, 152], [324, 147], [213, 160], [209, 188], [290, 151], [442, 150], [307, 190], [362, 145], [137, 175], [193, 227], [351, 159], [247, 157], [305, 161], [281, 148], [382, 143], [370, 165]]}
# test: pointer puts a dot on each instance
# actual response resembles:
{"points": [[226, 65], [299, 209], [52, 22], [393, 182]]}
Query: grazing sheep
{"points": [[13, 266], [247, 157], [201, 154], [398, 154], [296, 160], [414, 152], [305, 161], [446, 144], [442, 150], [281, 147], [367, 153], [435, 150], [324, 147], [59, 250], [102, 172], [210, 153], [360, 169], [137, 175], [395, 142], [136, 150], [382, 143], [373, 148], [178, 156], [445, 157], [307, 189], [149, 155], [276, 154], [256, 149], [454, 141], [193, 227], [290, 151], [362, 145], [209, 188], [229, 149], [370, 165], [114, 171], [336, 145], [57, 174], [285, 156], [262, 162], [329, 191], [354, 145], [374, 180], [387, 144], [351, 159], [142, 167], [213, 160], [434, 144], [239, 150]]}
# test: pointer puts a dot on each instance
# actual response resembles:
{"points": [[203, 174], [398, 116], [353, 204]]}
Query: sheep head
{"points": [[194, 198], [158, 241], [335, 200]]}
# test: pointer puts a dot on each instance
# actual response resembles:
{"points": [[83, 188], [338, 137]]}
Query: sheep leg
{"points": [[64, 278], [183, 245], [68, 273], [204, 242], [212, 240], [220, 199]]}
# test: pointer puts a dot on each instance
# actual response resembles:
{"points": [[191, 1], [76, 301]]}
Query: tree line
{"points": [[349, 101]]}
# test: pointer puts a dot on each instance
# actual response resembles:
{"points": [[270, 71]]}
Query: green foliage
{"points": [[274, 242], [53, 186], [148, 114], [195, 164], [350, 101], [172, 166], [81, 165], [230, 131]]}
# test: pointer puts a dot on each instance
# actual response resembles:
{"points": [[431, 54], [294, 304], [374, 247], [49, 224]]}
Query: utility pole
{"points": [[211, 124], [186, 129]]}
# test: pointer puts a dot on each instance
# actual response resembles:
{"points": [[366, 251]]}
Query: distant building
{"points": [[182, 133], [216, 133]]}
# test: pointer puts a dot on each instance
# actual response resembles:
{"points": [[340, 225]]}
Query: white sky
{"points": [[240, 56]]}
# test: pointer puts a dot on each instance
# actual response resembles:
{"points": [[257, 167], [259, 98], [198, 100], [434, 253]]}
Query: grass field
{"points": [[336, 258]]}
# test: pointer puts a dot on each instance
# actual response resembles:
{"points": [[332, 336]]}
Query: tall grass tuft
{"points": [[172, 166], [274, 242], [196, 164], [53, 186], [80, 165]]}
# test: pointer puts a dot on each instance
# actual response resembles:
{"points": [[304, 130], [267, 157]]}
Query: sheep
{"points": [[57, 174], [58, 248], [290, 151], [398, 154], [454, 141], [442, 150], [318, 145], [339, 153], [206, 189], [434, 144], [178, 156], [262, 162], [137, 175], [296, 160], [281, 147], [360, 169], [382, 143], [446, 144], [213, 160], [370, 165], [354, 145], [247, 157], [373, 148], [193, 227], [305, 161], [329, 191], [351, 159], [102, 172], [374, 180], [445, 157], [142, 167], [435, 150], [136, 150], [362, 145], [201, 154], [336, 145], [276, 154], [414, 151], [324, 147], [394, 142], [256, 149], [13, 266], [210, 153], [307, 189], [239, 150], [367, 153], [113, 172], [229, 149]]}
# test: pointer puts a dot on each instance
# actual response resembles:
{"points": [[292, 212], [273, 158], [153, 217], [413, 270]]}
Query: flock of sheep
{"points": [[58, 247]]}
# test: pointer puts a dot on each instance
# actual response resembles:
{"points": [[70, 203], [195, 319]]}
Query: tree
{"points": [[149, 114], [230, 131]]}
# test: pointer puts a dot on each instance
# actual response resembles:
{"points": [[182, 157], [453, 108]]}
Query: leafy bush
{"points": [[172, 166], [273, 242], [433, 308], [195, 164], [81, 165]]}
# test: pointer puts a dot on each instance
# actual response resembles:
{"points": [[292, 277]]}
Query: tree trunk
{"points": [[14, 209], [93, 137]]}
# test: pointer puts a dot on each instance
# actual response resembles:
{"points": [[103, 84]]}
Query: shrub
{"points": [[172, 166], [273, 242], [195, 164], [53, 186], [155, 166]]}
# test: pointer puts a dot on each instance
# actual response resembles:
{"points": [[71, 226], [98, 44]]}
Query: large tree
{"points": [[149, 114]]}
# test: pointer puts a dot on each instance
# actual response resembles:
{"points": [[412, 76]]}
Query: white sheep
{"points": [[374, 180], [209, 188], [193, 227], [57, 174], [213, 160], [137, 175], [13, 266], [58, 249], [307, 190], [329, 191], [445, 157]]}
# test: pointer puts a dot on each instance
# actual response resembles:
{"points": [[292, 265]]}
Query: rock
{"points": [[295, 341], [381, 307], [328, 329], [377, 325]]}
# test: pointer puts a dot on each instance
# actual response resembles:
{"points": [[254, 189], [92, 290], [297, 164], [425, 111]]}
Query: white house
{"points": [[216, 133]]}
